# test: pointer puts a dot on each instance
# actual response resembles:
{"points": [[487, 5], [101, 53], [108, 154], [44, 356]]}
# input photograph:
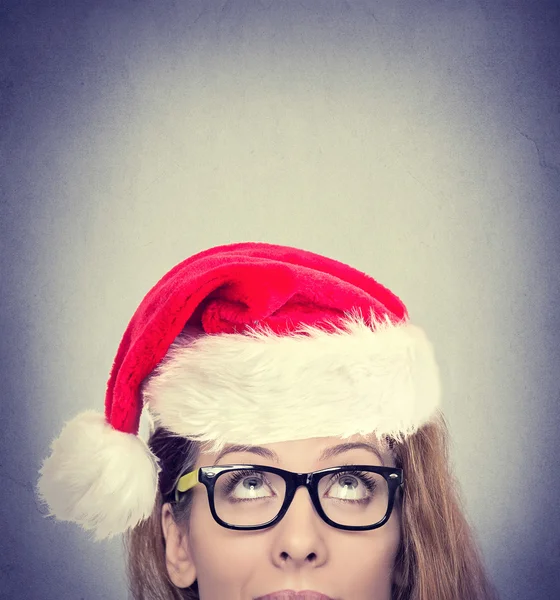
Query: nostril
{"points": [[311, 557]]}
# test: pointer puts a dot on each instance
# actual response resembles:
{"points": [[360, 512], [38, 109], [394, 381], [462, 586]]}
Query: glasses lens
{"points": [[353, 497], [248, 497]]}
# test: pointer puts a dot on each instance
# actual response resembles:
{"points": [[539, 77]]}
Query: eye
{"points": [[351, 485], [247, 485]]}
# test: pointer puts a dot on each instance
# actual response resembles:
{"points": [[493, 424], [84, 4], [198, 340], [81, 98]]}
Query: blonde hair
{"points": [[438, 558]]}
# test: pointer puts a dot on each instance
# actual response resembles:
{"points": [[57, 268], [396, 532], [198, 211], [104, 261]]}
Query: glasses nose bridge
{"points": [[301, 480]]}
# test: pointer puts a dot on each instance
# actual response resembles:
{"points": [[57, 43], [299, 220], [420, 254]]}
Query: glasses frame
{"points": [[209, 475]]}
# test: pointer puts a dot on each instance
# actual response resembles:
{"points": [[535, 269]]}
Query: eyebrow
{"points": [[325, 455]]}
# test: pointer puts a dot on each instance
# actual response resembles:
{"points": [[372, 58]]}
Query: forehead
{"points": [[310, 447]]}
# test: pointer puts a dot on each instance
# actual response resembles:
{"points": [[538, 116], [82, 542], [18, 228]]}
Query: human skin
{"points": [[301, 552]]}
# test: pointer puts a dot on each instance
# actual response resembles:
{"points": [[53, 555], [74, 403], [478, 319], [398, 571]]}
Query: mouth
{"points": [[292, 595]]}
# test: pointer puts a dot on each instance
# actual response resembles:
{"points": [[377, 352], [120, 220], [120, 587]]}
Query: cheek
{"points": [[225, 560], [366, 560]]}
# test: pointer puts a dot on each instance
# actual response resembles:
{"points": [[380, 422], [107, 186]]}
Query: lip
{"points": [[293, 595]]}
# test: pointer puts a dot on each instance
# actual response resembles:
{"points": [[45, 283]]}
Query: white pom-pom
{"points": [[100, 478]]}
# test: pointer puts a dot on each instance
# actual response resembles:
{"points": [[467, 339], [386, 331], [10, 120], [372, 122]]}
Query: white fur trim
{"points": [[100, 478], [260, 387]]}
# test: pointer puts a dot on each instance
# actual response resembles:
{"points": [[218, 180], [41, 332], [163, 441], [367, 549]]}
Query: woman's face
{"points": [[301, 552]]}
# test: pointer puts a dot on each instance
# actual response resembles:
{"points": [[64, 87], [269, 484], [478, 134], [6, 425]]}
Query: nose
{"points": [[299, 538]]}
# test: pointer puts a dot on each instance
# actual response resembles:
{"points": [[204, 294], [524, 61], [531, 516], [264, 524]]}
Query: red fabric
{"points": [[227, 288]]}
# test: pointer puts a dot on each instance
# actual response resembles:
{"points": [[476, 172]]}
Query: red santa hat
{"points": [[249, 343]]}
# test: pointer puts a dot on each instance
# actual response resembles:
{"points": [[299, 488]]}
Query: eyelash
{"points": [[238, 476], [364, 476]]}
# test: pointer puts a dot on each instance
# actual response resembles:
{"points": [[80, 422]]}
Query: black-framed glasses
{"points": [[251, 497]]}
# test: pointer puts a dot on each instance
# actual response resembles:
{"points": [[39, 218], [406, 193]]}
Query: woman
{"points": [[298, 445]]}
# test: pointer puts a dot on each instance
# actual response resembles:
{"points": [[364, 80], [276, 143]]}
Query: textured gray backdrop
{"points": [[415, 140]]}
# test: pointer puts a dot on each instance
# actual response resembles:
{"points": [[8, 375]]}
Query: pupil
{"points": [[251, 483]]}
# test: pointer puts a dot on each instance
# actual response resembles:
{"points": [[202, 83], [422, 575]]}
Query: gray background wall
{"points": [[417, 141]]}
